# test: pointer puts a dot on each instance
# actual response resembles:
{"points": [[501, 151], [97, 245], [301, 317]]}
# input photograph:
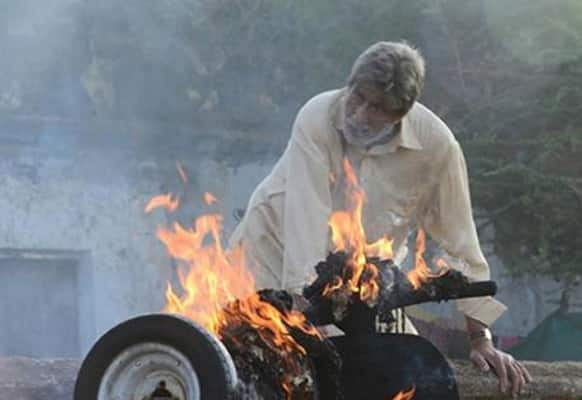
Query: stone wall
{"points": [[76, 192], [65, 213]]}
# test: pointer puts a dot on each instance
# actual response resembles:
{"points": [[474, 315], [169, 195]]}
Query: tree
{"points": [[520, 121]]}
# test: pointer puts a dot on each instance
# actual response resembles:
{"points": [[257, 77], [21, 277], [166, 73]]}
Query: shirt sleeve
{"points": [[449, 221], [307, 201]]}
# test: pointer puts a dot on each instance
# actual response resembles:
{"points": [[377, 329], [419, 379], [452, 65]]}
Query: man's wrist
{"points": [[478, 331], [480, 335]]}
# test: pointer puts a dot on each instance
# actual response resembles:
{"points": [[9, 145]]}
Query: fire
{"points": [[347, 234], [209, 277], [216, 289], [442, 264], [209, 198], [405, 395], [162, 200], [421, 271], [269, 322]]}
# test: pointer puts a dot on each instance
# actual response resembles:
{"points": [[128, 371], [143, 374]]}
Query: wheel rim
{"points": [[150, 371]]}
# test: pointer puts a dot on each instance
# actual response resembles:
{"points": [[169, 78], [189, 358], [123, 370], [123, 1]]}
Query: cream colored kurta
{"points": [[417, 179]]}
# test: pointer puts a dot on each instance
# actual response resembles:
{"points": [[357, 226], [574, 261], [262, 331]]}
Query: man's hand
{"points": [[511, 373], [508, 369]]}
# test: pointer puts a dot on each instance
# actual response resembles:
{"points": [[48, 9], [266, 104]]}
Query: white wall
{"points": [[94, 209]]}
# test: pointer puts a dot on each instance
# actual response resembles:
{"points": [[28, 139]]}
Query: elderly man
{"points": [[411, 168]]}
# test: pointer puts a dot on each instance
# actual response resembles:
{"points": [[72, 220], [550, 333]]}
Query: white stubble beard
{"points": [[361, 135]]}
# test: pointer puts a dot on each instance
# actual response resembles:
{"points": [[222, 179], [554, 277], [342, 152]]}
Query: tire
{"points": [[215, 374]]}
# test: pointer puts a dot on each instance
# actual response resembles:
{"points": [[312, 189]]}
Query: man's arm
{"points": [[450, 223], [307, 197]]}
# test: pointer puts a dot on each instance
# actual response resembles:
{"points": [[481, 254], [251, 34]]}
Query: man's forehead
{"points": [[376, 93], [372, 89]]}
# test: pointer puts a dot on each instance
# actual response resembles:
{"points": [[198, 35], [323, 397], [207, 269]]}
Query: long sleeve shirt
{"points": [[418, 179]]}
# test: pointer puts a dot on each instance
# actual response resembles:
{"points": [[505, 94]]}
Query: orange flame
{"points": [[162, 200], [217, 289], [347, 234], [421, 272], [442, 264], [405, 395], [209, 198]]}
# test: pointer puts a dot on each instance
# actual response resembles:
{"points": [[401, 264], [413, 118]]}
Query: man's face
{"points": [[367, 115]]}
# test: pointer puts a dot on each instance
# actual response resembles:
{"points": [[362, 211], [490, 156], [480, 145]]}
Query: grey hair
{"points": [[397, 67]]}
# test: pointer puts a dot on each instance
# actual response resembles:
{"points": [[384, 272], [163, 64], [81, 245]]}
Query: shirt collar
{"points": [[406, 138]]}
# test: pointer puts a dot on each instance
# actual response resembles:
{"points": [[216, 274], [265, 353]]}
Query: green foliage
{"points": [[275, 53], [244, 63], [539, 32], [522, 133], [533, 200]]}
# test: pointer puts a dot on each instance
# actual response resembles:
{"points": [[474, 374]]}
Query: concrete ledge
{"points": [[54, 379], [552, 381], [37, 379]]}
